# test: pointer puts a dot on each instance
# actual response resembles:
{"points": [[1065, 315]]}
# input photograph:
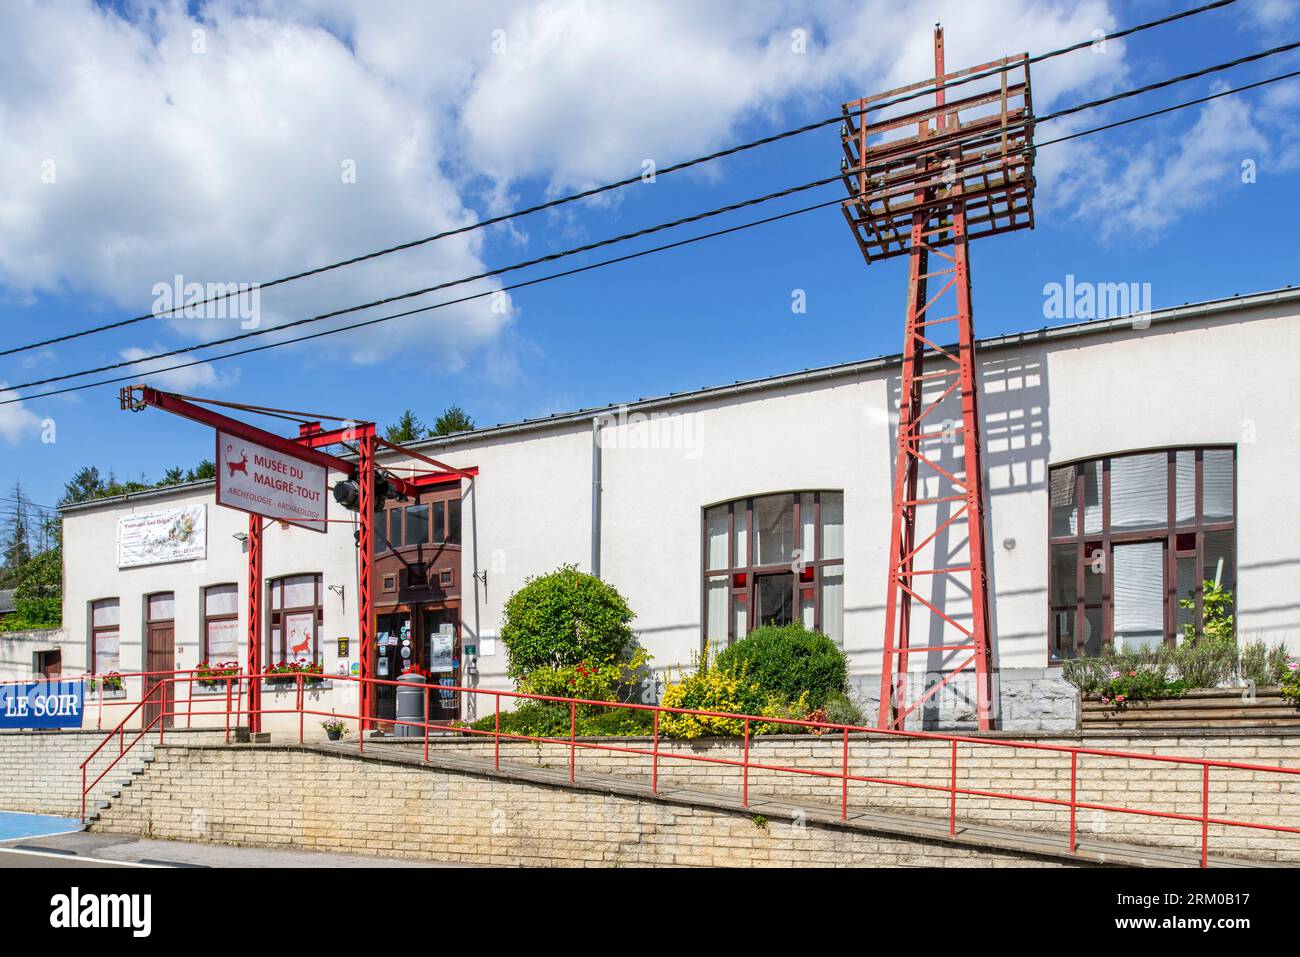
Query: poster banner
{"points": [[42, 704], [440, 654], [174, 535], [276, 485]]}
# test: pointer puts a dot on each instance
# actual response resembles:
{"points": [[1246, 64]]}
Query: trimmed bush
{"points": [[564, 618], [789, 661]]}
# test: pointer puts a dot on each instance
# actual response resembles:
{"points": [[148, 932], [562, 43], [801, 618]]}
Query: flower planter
{"points": [[1201, 709]]}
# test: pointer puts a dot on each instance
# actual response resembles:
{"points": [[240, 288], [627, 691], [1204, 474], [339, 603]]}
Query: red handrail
{"points": [[744, 765]]}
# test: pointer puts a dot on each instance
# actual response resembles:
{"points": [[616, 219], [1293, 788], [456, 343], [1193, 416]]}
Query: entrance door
{"points": [[442, 660], [390, 629], [159, 658]]}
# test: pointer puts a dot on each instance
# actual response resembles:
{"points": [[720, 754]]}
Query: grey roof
{"points": [[6, 601], [1090, 327]]}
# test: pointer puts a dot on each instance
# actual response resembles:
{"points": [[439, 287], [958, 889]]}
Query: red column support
{"points": [[254, 622], [365, 569]]}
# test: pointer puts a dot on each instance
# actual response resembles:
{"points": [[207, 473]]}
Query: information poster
{"points": [[440, 653], [174, 535]]}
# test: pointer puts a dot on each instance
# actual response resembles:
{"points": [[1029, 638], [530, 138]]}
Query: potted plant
{"points": [[211, 674], [334, 729], [286, 673], [112, 682]]}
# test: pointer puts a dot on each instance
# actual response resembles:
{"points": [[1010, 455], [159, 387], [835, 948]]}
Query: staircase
{"points": [[1217, 708]]}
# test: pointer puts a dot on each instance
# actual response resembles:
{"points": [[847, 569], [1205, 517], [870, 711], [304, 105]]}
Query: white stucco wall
{"points": [[1217, 379]]}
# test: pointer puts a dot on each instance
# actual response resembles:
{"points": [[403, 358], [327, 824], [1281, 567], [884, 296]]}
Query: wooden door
{"points": [[160, 655]]}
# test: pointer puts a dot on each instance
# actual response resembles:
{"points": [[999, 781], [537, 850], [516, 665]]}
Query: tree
{"points": [[38, 593], [564, 618], [453, 420], [18, 548], [207, 469], [408, 429], [85, 485]]}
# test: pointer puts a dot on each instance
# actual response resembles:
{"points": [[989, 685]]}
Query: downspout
{"points": [[596, 424]]}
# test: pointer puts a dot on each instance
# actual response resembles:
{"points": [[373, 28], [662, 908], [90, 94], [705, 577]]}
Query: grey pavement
{"points": [[82, 849]]}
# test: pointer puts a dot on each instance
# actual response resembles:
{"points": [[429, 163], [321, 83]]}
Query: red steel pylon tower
{"points": [[966, 173]]}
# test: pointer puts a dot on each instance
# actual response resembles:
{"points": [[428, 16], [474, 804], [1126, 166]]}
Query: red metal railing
{"points": [[236, 710]]}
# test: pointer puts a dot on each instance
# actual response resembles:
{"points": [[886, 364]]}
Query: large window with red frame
{"points": [[774, 559], [1135, 542]]}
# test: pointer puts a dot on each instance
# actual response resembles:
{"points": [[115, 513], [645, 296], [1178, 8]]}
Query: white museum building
{"points": [[1155, 453]]}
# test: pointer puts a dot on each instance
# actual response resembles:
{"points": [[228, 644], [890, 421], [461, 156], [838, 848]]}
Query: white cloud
{"points": [[16, 422], [1139, 193], [202, 376], [226, 165]]}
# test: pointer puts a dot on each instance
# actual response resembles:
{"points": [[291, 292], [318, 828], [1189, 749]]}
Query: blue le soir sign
{"points": [[41, 704]]}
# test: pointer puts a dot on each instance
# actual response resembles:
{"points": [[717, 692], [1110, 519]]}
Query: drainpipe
{"points": [[596, 424]]}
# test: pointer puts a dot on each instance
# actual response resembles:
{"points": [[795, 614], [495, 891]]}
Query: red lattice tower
{"points": [[967, 172]]}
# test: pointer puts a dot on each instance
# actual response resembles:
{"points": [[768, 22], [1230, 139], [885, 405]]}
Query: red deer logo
{"points": [[303, 645], [240, 466]]}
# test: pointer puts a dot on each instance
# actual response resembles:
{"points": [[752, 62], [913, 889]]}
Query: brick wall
{"points": [[1254, 796], [282, 797], [40, 771]]}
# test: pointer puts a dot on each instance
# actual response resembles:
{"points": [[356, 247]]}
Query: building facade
{"points": [[1130, 462]]}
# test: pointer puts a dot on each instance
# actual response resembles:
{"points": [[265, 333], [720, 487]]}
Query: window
{"points": [[221, 623], [161, 607], [435, 522], [774, 559], [1135, 540], [105, 622], [296, 618], [416, 520]]}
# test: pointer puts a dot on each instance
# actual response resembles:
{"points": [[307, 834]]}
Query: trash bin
{"points": [[410, 705]]}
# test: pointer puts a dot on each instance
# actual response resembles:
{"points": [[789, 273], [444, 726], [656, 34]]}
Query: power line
{"points": [[625, 258], [609, 241], [619, 184]]}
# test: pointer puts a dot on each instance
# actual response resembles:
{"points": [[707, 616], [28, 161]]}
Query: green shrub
{"points": [[789, 661], [710, 689], [564, 618], [609, 680], [1290, 684], [549, 719], [1144, 684], [840, 709]]}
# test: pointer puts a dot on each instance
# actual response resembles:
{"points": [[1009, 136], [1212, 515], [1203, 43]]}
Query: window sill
{"points": [[280, 686], [97, 695], [217, 689]]}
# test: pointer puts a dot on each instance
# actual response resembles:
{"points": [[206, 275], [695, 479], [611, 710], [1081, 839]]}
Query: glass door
{"points": [[441, 647], [390, 629]]}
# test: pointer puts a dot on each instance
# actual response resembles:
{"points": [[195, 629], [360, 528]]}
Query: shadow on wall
{"points": [[1013, 404]]}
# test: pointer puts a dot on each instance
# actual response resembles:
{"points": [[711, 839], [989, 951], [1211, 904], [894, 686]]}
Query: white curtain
{"points": [[1139, 491], [833, 605], [832, 525], [716, 525], [716, 628], [1139, 595], [1217, 494]]}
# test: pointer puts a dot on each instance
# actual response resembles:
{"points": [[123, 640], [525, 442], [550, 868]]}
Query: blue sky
{"points": [[223, 164]]}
